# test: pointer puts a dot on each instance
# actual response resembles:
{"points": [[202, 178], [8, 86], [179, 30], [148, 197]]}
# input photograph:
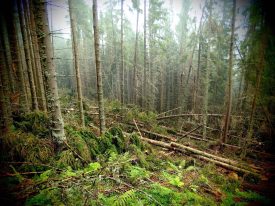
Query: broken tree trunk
{"points": [[187, 115], [226, 163]]}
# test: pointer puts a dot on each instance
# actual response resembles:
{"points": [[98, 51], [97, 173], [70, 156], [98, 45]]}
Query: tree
{"points": [[26, 41], [24, 102], [98, 69], [121, 57], [144, 102], [5, 104], [135, 89], [76, 63], [229, 81], [46, 53]]}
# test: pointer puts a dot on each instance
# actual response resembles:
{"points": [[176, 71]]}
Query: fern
{"points": [[126, 198]]}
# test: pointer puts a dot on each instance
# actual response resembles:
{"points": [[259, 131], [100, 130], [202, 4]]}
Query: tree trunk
{"points": [[135, 62], [46, 54], [6, 117], [144, 101], [121, 57], [229, 87], [76, 64], [37, 63], [24, 103], [28, 57], [98, 69], [206, 78], [7, 54]]}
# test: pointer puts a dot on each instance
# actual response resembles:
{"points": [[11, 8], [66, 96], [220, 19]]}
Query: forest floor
{"points": [[122, 168]]}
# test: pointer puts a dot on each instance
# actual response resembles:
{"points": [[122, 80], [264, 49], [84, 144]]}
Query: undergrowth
{"points": [[113, 169]]}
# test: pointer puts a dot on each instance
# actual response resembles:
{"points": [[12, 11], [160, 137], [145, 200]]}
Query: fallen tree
{"points": [[188, 115], [226, 163]]}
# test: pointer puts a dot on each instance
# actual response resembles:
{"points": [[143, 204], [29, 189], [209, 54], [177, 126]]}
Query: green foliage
{"points": [[193, 198], [174, 180], [137, 173], [125, 199], [243, 197], [68, 173], [163, 194], [147, 117], [94, 166], [158, 129], [45, 175], [27, 147], [67, 158], [36, 123], [49, 196], [117, 138], [74, 196], [76, 141]]}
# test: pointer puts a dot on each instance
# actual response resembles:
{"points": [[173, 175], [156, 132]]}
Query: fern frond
{"points": [[125, 198]]}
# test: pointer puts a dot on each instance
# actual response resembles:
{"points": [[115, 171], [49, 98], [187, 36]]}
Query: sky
{"points": [[58, 10]]}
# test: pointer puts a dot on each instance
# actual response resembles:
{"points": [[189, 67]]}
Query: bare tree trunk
{"points": [[121, 57], [6, 117], [39, 77], [76, 64], [206, 78], [229, 87], [46, 54], [24, 103], [206, 92], [135, 62], [98, 69], [7, 53], [144, 101], [28, 57]]}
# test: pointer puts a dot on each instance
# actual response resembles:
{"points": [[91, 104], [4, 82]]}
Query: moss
{"points": [[77, 143], [36, 123], [67, 158], [116, 138], [19, 146], [50, 196], [135, 139]]}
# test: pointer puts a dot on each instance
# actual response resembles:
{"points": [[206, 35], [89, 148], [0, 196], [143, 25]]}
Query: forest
{"points": [[137, 102]]}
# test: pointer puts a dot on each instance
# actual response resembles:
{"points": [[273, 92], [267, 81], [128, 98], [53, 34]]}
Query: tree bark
{"points": [[144, 101], [7, 54], [229, 86], [24, 103], [37, 63], [135, 62], [76, 64], [28, 56], [121, 57], [6, 117], [98, 68], [46, 54]]}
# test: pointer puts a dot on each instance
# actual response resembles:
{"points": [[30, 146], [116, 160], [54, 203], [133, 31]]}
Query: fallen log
{"points": [[158, 135], [188, 115], [221, 159], [173, 146], [228, 166]]}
